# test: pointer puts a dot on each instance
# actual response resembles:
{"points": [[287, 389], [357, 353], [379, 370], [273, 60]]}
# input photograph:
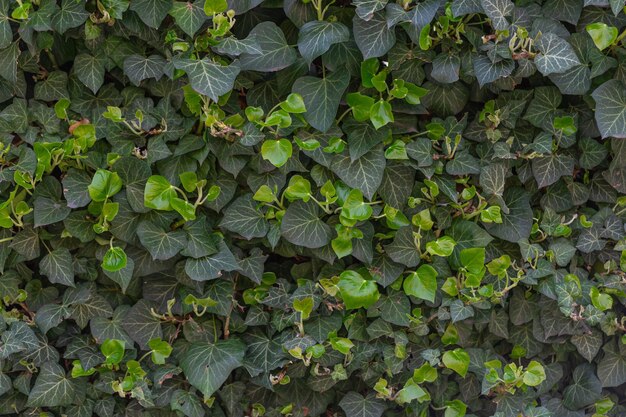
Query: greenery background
{"points": [[303, 208]]}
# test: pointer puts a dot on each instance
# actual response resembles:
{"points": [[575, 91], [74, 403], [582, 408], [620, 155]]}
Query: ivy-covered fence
{"points": [[310, 208]]}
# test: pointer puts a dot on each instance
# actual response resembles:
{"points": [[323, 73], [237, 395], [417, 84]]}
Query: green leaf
{"points": [[159, 193], [50, 316], [442, 246], [534, 374], [277, 152], [207, 366], [161, 350], [356, 291], [53, 388], [215, 6], [365, 9], [610, 112], [381, 114], [114, 259], [321, 97], [422, 283], [104, 185], [602, 34], [58, 267], [71, 14], [209, 78], [302, 226], [557, 55], [113, 351], [458, 360]]}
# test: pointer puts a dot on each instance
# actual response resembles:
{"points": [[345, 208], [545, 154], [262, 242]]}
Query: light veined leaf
{"points": [[58, 267], [207, 366], [321, 97], [365, 9], [161, 244], [364, 173], [53, 388], [584, 390], [610, 112], [424, 12], [373, 37], [517, 223], [138, 68], [209, 78], [549, 169], [244, 217], [497, 11], [446, 68], [151, 12], [557, 55], [212, 266], [302, 225], [275, 54], [189, 16], [612, 367], [355, 405], [90, 71], [316, 37]]}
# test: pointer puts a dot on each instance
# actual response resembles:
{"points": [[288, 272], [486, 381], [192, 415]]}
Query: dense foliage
{"points": [[313, 207]]}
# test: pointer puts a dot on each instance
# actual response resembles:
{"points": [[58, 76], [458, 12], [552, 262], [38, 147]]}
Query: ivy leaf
{"points": [[422, 283], [356, 291], [277, 152], [151, 12], [612, 367], [188, 16], [243, 217], [557, 55], [497, 11], [141, 325], [373, 37], [487, 71], [208, 78], [365, 9], [275, 54], [458, 360], [446, 68], [517, 223], [610, 113], [53, 388], [207, 366], [321, 97], [58, 267], [355, 405], [162, 245], [71, 14], [90, 71], [212, 266], [584, 390], [316, 37], [365, 173], [302, 226], [50, 316], [138, 68], [549, 169], [8, 62]]}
